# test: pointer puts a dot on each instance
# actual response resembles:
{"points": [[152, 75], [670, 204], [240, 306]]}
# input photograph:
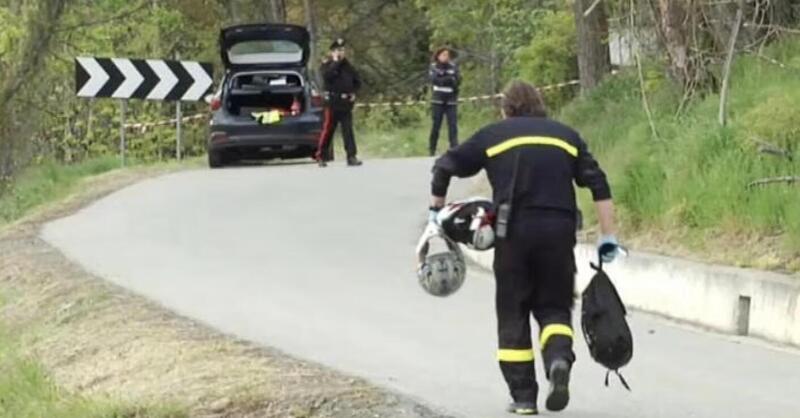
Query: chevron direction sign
{"points": [[123, 78]]}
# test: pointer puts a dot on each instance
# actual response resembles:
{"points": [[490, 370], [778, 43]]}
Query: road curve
{"points": [[319, 263]]}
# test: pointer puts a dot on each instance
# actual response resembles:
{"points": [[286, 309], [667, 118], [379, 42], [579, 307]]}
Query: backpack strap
{"points": [[621, 379], [599, 268]]}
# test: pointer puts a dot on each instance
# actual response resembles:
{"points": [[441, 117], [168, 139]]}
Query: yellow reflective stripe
{"points": [[515, 355], [532, 140], [555, 329]]}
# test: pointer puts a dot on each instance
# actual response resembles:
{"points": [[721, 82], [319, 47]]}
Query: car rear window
{"points": [[265, 52]]}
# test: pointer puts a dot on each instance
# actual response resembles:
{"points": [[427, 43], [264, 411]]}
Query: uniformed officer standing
{"points": [[532, 162], [445, 81], [342, 82]]}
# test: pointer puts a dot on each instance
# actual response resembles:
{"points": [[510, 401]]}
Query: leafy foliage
{"points": [[550, 57], [692, 185]]}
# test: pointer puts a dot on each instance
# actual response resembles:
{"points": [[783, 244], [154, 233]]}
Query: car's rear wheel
{"points": [[216, 159]]}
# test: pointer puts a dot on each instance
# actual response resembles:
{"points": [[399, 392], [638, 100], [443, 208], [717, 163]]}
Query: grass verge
{"points": [[404, 131], [27, 390], [50, 181]]}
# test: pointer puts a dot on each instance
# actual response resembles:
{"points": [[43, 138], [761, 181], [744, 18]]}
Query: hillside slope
{"points": [[688, 192]]}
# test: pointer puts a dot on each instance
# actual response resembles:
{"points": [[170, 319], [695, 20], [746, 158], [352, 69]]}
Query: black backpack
{"points": [[604, 326]]}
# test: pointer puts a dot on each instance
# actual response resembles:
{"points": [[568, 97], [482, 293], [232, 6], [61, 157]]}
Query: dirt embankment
{"points": [[98, 340]]}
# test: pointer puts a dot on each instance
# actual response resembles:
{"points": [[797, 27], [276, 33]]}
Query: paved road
{"points": [[319, 263]]}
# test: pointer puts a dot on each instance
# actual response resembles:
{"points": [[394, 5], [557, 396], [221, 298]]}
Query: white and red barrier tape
{"points": [[144, 126]]}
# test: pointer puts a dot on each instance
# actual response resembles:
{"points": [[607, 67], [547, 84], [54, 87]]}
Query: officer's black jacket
{"points": [[340, 77], [445, 80], [551, 157]]}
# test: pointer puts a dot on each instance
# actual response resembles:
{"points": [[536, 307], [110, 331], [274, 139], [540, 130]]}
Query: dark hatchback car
{"points": [[266, 106]]}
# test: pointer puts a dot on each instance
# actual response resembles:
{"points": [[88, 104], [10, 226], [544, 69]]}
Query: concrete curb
{"points": [[727, 299]]}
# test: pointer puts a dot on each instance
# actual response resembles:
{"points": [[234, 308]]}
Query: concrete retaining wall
{"points": [[727, 299]]}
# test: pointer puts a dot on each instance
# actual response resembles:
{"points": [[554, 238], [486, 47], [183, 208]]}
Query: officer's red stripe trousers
{"points": [[325, 135]]}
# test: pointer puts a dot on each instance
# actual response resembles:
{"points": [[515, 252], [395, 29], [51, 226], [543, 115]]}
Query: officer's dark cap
{"points": [[338, 43]]}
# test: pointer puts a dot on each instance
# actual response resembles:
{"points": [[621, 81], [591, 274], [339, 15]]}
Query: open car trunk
{"points": [[253, 93]]}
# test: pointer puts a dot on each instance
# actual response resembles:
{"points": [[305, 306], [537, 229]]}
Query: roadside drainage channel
{"points": [[728, 299]]}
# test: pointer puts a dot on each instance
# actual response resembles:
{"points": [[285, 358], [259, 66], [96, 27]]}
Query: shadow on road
{"points": [[268, 163]]}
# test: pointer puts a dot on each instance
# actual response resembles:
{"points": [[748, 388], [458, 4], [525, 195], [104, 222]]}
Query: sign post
{"points": [[178, 121], [178, 117], [123, 110]]}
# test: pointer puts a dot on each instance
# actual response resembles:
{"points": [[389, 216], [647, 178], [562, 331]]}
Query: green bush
{"points": [[775, 120], [641, 190], [551, 57]]}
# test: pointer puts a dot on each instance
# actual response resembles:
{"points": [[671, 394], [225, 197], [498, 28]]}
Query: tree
{"points": [[311, 24], [673, 18], [486, 35], [594, 59], [278, 8], [19, 69]]}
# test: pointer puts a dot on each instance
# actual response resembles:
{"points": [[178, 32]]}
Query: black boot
{"points": [[353, 162], [558, 398]]}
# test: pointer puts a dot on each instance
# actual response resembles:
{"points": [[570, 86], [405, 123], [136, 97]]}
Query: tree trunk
{"points": [[594, 58], [278, 8], [311, 24], [33, 47], [721, 18], [674, 23], [726, 72], [233, 11]]}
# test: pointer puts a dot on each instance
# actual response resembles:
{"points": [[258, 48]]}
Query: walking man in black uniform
{"points": [[532, 162], [445, 80], [342, 82]]}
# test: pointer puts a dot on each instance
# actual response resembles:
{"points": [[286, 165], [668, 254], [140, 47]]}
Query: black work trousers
{"points": [[439, 111], [331, 119], [535, 274]]}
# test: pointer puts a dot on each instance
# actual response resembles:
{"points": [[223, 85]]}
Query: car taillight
{"points": [[216, 103], [316, 100], [219, 137]]}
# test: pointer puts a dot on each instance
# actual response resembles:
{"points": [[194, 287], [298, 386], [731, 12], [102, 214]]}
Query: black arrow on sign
{"points": [[150, 79], [185, 80], [81, 76], [115, 77]]}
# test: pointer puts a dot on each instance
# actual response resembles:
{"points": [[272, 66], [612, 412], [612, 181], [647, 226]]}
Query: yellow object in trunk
{"points": [[267, 118]]}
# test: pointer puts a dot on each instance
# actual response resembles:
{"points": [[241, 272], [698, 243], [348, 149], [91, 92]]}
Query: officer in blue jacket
{"points": [[445, 80]]}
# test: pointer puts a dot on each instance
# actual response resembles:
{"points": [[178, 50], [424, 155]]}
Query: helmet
{"points": [[469, 222], [440, 274]]}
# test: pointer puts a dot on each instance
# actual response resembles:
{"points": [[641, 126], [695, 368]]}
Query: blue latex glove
{"points": [[432, 213], [608, 248]]}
